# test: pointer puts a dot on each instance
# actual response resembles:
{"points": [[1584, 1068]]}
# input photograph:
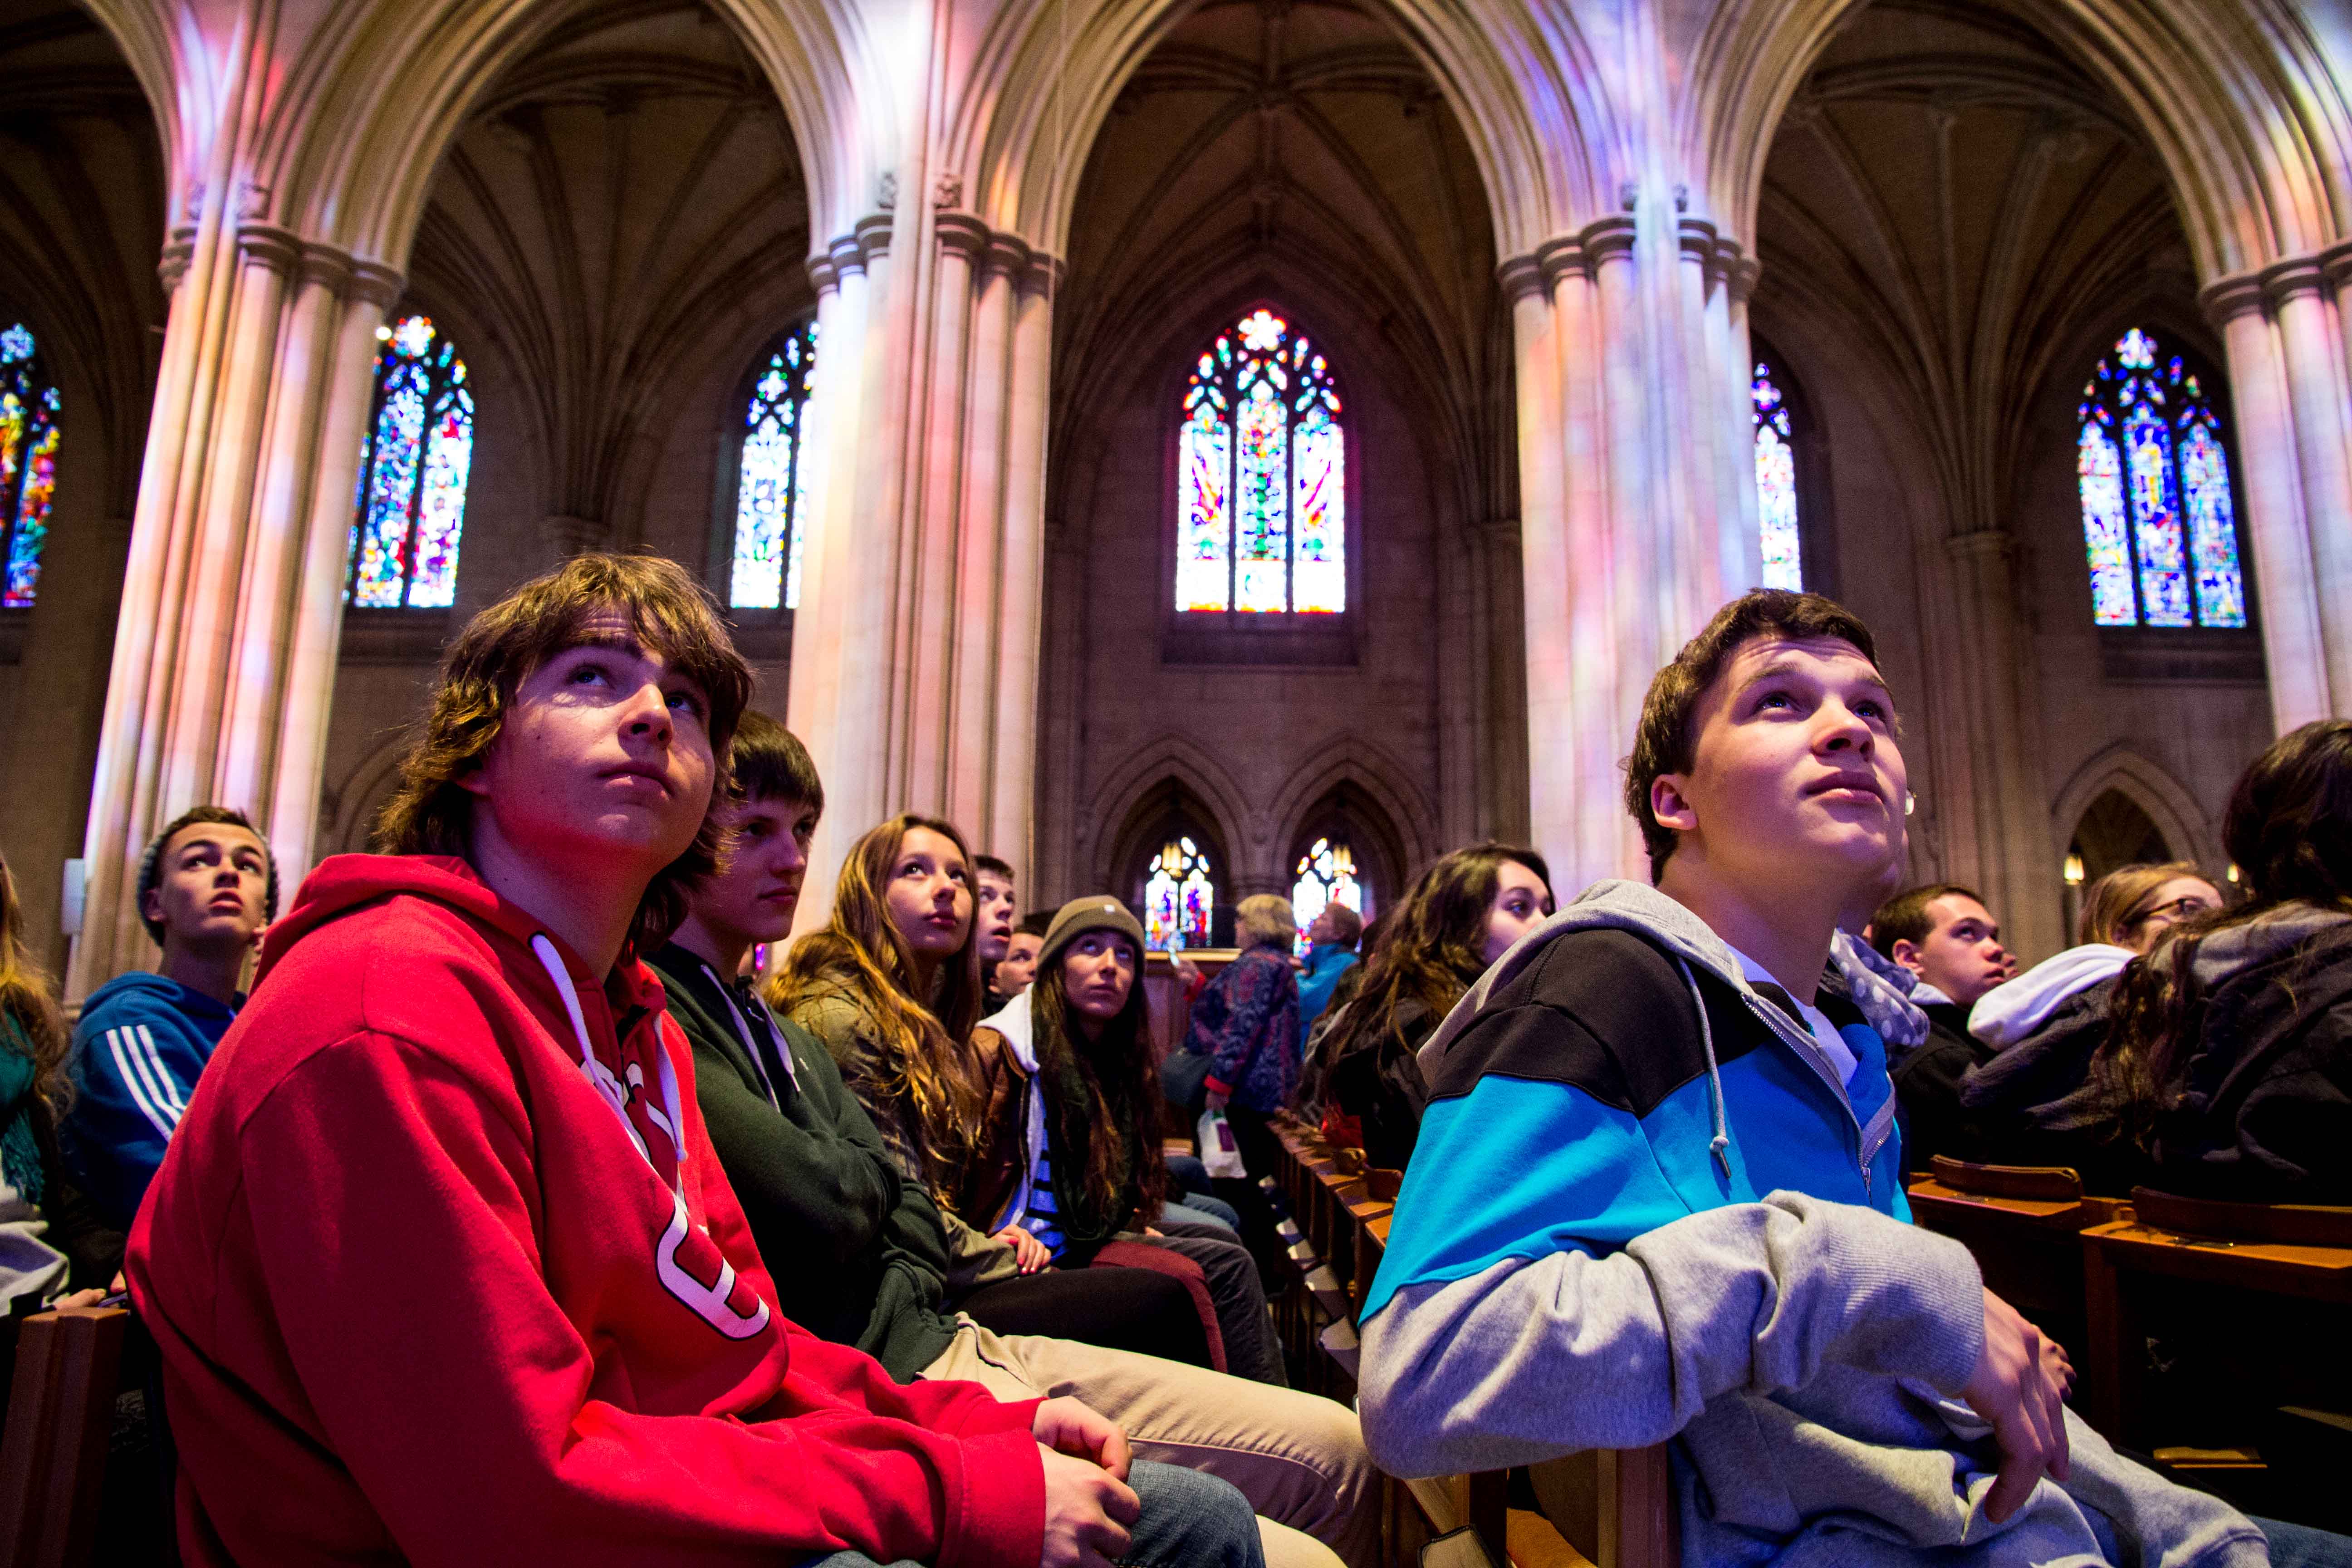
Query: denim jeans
{"points": [[1199, 1208], [1189, 1521]]}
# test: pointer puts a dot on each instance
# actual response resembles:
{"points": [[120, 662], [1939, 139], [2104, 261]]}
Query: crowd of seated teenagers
{"points": [[2188, 1043], [395, 1252]]}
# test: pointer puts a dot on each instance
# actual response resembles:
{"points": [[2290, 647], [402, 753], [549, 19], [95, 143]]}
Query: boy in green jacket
{"points": [[859, 1256]]}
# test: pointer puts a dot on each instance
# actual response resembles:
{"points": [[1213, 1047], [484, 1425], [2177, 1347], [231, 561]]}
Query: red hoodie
{"points": [[423, 1294]]}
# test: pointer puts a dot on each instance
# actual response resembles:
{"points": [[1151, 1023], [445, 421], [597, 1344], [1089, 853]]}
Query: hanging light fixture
{"points": [[2073, 869]]}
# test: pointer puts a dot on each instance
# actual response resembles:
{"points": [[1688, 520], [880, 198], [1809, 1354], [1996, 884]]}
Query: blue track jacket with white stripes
{"points": [[140, 1045]]}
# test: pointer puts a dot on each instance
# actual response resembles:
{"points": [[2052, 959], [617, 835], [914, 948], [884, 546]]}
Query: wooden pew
{"points": [[2023, 1223], [2278, 1253], [60, 1414], [1603, 1510]]}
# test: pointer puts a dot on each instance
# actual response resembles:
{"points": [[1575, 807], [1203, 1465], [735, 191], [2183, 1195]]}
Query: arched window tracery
{"points": [[2152, 472], [771, 480], [1776, 481], [1180, 896], [409, 517], [1326, 876], [29, 433], [1262, 466]]}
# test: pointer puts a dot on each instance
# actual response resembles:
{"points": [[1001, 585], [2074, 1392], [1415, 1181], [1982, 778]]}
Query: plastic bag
{"points": [[1219, 1153]]}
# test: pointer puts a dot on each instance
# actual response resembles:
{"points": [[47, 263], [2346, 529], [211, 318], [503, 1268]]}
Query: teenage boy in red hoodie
{"points": [[441, 1263]]}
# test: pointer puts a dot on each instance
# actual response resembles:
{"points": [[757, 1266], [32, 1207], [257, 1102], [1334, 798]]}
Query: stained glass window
{"points": [[1261, 477], [772, 486], [1775, 483], [1326, 876], [410, 513], [28, 464], [1180, 896], [2153, 474]]}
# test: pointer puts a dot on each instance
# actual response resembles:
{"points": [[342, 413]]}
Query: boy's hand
{"points": [[1029, 1254], [1088, 1513], [2019, 1386], [1073, 1427]]}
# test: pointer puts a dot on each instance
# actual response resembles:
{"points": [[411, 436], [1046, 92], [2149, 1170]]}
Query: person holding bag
{"points": [[1246, 1025]]}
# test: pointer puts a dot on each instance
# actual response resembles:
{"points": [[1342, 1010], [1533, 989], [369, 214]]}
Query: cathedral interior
{"points": [[1238, 446]]}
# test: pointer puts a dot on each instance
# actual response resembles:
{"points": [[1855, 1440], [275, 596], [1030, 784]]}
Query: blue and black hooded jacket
{"points": [[1645, 1204]]}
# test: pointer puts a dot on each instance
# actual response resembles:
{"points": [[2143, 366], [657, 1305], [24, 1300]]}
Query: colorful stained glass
{"points": [[1775, 485], [29, 433], [2212, 523], [1204, 531], [1326, 876], [2156, 519], [2099, 476], [771, 488], [1262, 508], [409, 515], [2153, 472], [1179, 897]]}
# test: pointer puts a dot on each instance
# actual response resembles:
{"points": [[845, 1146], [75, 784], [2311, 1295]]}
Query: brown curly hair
{"points": [[925, 1041], [431, 812]]}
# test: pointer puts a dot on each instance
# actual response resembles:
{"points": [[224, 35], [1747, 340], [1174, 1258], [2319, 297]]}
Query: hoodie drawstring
{"points": [[1720, 1145]]}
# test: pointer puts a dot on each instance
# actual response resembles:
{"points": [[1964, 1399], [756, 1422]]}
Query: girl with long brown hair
{"points": [[1464, 914], [1075, 1123], [2230, 1055], [891, 985]]}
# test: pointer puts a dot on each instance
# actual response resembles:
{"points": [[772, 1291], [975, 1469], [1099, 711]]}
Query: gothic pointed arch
{"points": [[1172, 866]]}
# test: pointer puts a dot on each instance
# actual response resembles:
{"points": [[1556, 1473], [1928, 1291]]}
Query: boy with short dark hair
{"points": [[1949, 942], [1658, 1192], [441, 1264], [1014, 974], [207, 885], [869, 1251], [992, 908]]}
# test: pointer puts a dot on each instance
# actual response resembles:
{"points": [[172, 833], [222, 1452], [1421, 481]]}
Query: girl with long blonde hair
{"points": [[34, 1092]]}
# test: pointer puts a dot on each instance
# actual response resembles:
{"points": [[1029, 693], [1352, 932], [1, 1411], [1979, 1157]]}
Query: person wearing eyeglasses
{"points": [[2039, 1098]]}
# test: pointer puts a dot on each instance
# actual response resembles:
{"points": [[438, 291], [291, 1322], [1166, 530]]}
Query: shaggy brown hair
{"points": [[432, 812], [28, 999], [925, 1041], [2117, 905], [1666, 741]]}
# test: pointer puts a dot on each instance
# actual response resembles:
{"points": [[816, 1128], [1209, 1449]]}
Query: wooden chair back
{"points": [[2292, 1224], [60, 1414], [2047, 1183]]}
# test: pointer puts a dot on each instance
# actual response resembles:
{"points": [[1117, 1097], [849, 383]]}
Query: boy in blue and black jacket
{"points": [[1657, 1191], [206, 887]]}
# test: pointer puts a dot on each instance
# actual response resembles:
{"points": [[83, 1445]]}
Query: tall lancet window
{"points": [[1261, 477], [771, 483], [1776, 483], [2153, 472], [1180, 896], [28, 463], [410, 514], [1326, 876]]}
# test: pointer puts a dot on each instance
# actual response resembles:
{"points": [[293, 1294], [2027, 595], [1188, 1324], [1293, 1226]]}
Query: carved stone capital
{"points": [[2336, 264], [1986, 544], [178, 252], [2283, 280], [1042, 275], [2224, 300], [324, 267], [1520, 278], [948, 191], [1560, 255], [824, 276], [571, 536], [872, 232], [267, 244], [961, 233], [1697, 237], [1607, 240], [377, 284], [1008, 255]]}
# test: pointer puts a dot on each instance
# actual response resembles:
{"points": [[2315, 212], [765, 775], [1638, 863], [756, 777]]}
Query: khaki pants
{"points": [[1299, 1458]]}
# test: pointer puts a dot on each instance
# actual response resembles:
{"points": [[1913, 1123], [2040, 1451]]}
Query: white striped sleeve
{"points": [[125, 1052]]}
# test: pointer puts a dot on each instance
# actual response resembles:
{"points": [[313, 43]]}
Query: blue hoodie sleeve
{"points": [[135, 1063]]}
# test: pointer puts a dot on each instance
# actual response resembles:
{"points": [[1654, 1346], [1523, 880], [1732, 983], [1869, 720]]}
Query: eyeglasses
{"points": [[2180, 908]]}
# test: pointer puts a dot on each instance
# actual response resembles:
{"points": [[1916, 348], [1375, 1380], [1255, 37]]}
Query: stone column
{"points": [[2288, 349], [2014, 868], [1635, 522], [232, 591], [914, 652]]}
